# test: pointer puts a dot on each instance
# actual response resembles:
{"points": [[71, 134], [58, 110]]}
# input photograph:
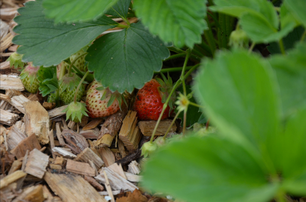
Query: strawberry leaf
{"points": [[214, 169], [48, 82], [185, 20], [76, 10], [120, 9], [126, 60], [44, 43]]}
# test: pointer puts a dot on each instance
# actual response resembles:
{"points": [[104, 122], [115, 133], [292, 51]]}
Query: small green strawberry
{"points": [[239, 39], [101, 102], [29, 79], [16, 60], [80, 59], [148, 148], [68, 86], [75, 111]]}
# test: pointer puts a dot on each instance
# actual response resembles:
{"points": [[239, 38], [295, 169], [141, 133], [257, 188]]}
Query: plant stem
{"points": [[175, 56], [77, 90], [184, 122], [177, 83], [173, 69], [251, 47], [183, 71], [195, 104], [72, 62], [122, 26], [62, 71], [173, 121], [164, 108], [282, 47]]}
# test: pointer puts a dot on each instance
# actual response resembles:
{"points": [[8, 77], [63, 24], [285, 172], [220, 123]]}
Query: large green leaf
{"points": [[176, 21], [44, 43], [289, 152], [260, 30], [207, 169], [238, 92], [291, 75], [76, 10], [238, 8], [120, 9], [126, 60], [297, 8]]}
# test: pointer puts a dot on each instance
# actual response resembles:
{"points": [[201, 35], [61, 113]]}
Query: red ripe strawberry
{"points": [[150, 98], [97, 101]]}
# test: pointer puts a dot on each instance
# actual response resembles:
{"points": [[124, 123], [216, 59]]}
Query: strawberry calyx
{"points": [[69, 81], [75, 111], [16, 60], [166, 85]]}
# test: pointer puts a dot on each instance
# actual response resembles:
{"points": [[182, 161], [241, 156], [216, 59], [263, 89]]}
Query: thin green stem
{"points": [[184, 121], [173, 69], [62, 70], [173, 121], [79, 86], [177, 83], [175, 56], [303, 36], [282, 47], [195, 104], [183, 71], [72, 63], [251, 47]]}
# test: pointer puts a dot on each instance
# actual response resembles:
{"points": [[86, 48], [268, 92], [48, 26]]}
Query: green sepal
{"points": [[75, 111], [69, 82], [16, 60], [166, 85]]}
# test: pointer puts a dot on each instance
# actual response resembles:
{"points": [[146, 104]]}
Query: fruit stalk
{"points": [[72, 62], [177, 83], [82, 80]]}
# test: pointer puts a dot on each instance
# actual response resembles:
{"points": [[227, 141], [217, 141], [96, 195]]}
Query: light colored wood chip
{"points": [[72, 188], [63, 152], [80, 168], [11, 178], [8, 118], [57, 112], [10, 82], [37, 121], [88, 155], [37, 163], [115, 180]]}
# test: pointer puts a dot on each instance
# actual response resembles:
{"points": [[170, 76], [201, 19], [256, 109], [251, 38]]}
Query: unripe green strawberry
{"points": [[148, 148], [239, 39], [67, 88], [29, 79], [80, 59]]}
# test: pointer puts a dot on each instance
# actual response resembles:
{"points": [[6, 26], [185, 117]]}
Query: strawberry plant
{"points": [[252, 103]]}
